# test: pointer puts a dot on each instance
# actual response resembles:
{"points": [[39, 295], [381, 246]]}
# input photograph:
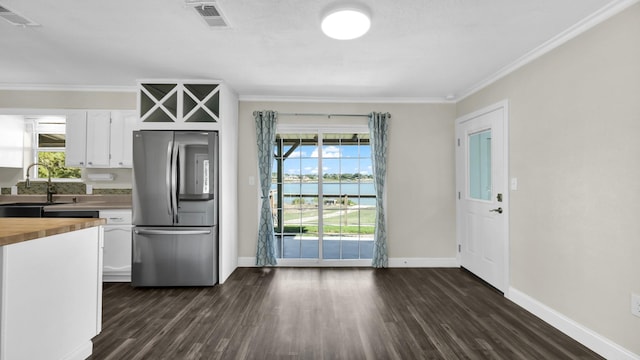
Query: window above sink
{"points": [[49, 144]]}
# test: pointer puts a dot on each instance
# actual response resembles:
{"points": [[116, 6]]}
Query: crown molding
{"points": [[373, 100], [45, 87], [582, 26]]}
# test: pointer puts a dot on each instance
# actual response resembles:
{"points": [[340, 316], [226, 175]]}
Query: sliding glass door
{"points": [[322, 197]]}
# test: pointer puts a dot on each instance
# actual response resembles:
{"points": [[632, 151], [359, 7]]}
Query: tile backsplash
{"points": [[62, 188]]}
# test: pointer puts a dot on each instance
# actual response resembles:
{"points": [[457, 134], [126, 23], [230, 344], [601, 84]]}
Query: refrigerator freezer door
{"points": [[151, 197], [197, 165], [185, 256]]}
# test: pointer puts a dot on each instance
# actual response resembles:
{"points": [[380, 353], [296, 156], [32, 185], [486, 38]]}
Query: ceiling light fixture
{"points": [[346, 22]]}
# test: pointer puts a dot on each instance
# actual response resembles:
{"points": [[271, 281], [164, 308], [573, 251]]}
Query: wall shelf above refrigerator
{"points": [[183, 104]]}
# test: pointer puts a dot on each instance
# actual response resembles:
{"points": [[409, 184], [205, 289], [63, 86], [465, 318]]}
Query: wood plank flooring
{"points": [[320, 313]]}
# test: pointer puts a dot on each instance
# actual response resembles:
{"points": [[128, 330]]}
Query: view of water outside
{"points": [[343, 223]]}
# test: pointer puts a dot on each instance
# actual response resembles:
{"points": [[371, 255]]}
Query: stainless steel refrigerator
{"points": [[175, 208]]}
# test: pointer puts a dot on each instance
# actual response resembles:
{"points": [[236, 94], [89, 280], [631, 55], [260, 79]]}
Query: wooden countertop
{"points": [[88, 205], [66, 202], [15, 230]]}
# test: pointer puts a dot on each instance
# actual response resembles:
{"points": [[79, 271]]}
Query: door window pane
{"points": [[480, 165]]}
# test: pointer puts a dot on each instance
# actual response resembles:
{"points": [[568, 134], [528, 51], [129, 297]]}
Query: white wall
{"points": [[420, 195], [574, 121]]}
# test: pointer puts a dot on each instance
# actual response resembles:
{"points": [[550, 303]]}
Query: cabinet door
{"points": [[117, 245], [98, 135], [117, 253], [122, 125], [76, 139], [12, 141]]}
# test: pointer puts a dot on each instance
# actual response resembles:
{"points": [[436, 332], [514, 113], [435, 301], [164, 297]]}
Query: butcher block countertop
{"points": [[15, 230], [73, 202]]}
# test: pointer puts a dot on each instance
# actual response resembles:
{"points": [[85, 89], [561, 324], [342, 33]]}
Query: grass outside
{"points": [[312, 230], [356, 221]]}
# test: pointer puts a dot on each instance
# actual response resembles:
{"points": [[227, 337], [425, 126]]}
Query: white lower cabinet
{"points": [[117, 245], [51, 296]]}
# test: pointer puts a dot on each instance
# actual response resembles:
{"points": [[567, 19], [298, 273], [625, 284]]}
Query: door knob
{"points": [[498, 210]]}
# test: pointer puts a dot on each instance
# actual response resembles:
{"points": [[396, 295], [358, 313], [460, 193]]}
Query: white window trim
{"points": [[294, 128], [36, 150]]}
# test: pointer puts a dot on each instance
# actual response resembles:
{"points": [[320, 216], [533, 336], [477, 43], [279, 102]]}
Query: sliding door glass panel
{"points": [[347, 195], [322, 196], [295, 190]]}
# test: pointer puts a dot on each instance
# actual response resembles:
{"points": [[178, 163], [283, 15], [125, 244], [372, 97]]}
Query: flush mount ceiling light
{"points": [[346, 22]]}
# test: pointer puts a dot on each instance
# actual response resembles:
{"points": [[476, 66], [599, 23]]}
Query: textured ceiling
{"points": [[415, 50]]}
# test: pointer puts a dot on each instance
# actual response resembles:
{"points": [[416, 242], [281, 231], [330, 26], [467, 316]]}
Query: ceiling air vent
{"points": [[210, 13], [15, 19]]}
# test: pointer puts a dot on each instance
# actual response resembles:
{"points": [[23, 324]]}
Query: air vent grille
{"points": [[207, 10], [15, 19], [210, 13]]}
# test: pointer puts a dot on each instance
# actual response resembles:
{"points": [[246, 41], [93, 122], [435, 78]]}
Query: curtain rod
{"points": [[319, 114], [329, 115]]}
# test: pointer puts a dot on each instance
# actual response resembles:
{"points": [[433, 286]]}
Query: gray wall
{"points": [[574, 121], [420, 173], [67, 99]]}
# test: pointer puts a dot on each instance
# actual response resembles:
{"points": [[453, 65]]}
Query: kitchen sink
{"points": [[25, 209]]}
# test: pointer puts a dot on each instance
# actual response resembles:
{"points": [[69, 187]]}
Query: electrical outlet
{"points": [[635, 304]]}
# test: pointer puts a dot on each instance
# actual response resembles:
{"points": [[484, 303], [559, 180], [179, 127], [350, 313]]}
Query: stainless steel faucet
{"points": [[50, 188]]}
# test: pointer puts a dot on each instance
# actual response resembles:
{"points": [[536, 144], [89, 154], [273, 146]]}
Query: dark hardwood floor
{"points": [[303, 313]]}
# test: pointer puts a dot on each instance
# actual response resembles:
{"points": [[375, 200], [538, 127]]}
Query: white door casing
{"points": [[482, 205]]}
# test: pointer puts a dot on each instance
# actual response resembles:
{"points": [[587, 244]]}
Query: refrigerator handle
{"points": [[174, 183], [168, 177], [172, 232]]}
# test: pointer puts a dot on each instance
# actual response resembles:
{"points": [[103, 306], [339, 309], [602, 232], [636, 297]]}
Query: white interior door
{"points": [[482, 211]]}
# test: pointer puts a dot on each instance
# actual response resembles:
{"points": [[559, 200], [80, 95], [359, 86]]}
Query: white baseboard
{"points": [[84, 351], [423, 262], [117, 275], [587, 337], [393, 262]]}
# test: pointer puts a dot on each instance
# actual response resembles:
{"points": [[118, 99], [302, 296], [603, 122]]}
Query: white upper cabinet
{"points": [[122, 126], [100, 139], [76, 139], [11, 141]]}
